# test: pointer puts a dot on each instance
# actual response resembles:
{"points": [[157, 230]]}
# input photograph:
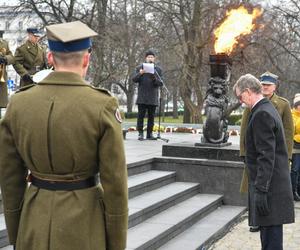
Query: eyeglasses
{"points": [[239, 97]]}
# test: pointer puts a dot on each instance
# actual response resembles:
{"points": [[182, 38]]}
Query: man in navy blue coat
{"points": [[147, 100], [270, 191]]}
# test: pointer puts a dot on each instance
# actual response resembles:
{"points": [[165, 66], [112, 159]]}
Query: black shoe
{"points": [[151, 137], [141, 137], [254, 229], [296, 196]]}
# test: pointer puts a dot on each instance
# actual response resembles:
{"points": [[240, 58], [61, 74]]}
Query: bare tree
{"points": [[181, 32]]}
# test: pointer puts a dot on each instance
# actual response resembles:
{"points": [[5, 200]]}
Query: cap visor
{"points": [[267, 83]]}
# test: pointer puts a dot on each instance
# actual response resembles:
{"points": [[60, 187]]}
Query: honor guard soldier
{"points": [[30, 57], [6, 58], [65, 133], [269, 82]]}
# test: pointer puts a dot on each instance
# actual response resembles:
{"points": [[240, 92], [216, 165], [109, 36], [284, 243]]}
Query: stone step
{"points": [[147, 181], [206, 230], [3, 232], [164, 226], [7, 248], [2, 225], [153, 202]]}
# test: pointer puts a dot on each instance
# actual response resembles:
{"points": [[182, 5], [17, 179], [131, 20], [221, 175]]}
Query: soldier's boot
{"points": [[296, 196], [294, 180], [141, 136]]}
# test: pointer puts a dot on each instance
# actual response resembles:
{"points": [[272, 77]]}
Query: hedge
{"points": [[234, 119], [129, 115]]}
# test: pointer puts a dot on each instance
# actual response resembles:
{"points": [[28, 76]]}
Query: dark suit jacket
{"points": [[148, 86], [267, 162]]}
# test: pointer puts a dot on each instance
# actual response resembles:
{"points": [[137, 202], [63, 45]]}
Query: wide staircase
{"points": [[167, 214]]}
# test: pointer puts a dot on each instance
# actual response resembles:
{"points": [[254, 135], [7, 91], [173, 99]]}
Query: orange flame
{"points": [[238, 22]]}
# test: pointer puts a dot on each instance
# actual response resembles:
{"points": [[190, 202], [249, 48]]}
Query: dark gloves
{"points": [[3, 60], [243, 158], [27, 78], [152, 76], [261, 203]]}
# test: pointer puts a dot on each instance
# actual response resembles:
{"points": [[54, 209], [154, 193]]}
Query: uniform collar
{"points": [[63, 78], [273, 97], [274, 100], [31, 43], [260, 102]]}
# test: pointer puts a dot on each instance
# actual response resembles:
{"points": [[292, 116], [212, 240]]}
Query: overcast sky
{"points": [[264, 3]]}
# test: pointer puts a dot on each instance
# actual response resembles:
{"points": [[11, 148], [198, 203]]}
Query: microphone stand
{"points": [[158, 137]]}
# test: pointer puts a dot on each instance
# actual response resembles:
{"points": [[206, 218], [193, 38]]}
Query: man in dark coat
{"points": [[270, 191], [147, 100], [269, 82]]}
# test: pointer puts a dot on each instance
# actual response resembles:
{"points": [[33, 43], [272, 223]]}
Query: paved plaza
{"points": [[239, 237]]}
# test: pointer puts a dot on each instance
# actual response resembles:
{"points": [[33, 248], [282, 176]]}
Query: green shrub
{"points": [[129, 115], [234, 119]]}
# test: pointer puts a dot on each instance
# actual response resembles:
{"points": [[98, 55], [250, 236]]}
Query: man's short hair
{"points": [[248, 81], [69, 59], [149, 52]]}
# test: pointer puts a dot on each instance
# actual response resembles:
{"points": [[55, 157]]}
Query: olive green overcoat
{"points": [[5, 52], [29, 59], [62, 128], [282, 105]]}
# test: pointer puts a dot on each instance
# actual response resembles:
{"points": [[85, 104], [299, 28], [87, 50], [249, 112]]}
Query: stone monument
{"points": [[215, 132]]}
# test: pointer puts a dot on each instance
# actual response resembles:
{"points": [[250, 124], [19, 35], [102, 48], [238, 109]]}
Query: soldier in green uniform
{"points": [[30, 57], [65, 132], [6, 58], [268, 81]]}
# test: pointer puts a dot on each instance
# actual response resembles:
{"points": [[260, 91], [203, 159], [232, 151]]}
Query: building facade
{"points": [[14, 22]]}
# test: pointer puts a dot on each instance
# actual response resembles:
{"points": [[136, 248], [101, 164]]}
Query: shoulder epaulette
{"points": [[22, 45], [283, 99], [105, 91], [25, 88]]}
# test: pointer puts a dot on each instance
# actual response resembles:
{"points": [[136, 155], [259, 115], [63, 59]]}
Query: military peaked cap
{"points": [[69, 37], [34, 31], [268, 78]]}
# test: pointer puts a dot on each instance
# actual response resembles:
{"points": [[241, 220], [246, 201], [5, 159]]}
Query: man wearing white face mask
{"points": [[269, 83]]}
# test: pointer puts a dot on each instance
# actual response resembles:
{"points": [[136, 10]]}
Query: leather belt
{"points": [[57, 185]]}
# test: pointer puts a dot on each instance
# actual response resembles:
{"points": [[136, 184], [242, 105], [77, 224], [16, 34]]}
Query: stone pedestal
{"points": [[207, 144], [226, 152]]}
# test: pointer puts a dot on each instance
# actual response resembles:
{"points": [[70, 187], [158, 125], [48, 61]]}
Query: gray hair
{"points": [[247, 81]]}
